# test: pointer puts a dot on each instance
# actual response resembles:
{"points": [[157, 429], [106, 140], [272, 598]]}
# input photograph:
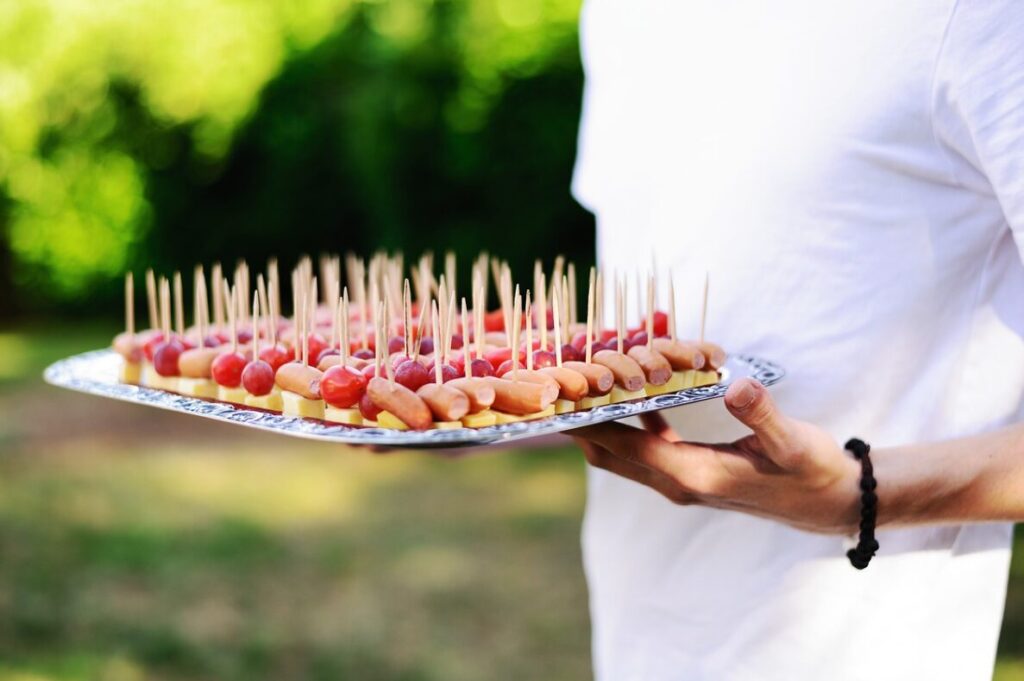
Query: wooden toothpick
{"points": [[704, 307], [467, 360], [478, 315], [179, 307], [449, 327], [334, 305], [377, 344], [619, 313], [571, 293], [542, 309], [255, 326], [438, 377], [564, 305], [421, 326], [345, 339], [671, 307], [129, 305], [650, 311], [154, 310], [516, 320], [216, 277], [590, 316], [232, 329], [529, 332], [449, 269], [388, 368], [407, 318], [165, 307], [556, 301], [304, 303]]}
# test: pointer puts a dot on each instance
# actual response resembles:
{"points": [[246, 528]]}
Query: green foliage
{"points": [[137, 132]]}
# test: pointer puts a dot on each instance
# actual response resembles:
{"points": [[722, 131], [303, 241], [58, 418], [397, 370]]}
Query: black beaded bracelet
{"points": [[862, 554]]}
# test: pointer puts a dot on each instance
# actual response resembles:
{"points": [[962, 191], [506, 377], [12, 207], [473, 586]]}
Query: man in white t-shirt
{"points": [[852, 177]]}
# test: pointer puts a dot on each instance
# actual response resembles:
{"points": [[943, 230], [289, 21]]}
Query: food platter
{"points": [[96, 373]]}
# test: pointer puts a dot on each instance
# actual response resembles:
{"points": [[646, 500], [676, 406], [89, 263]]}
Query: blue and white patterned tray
{"points": [[96, 373]]}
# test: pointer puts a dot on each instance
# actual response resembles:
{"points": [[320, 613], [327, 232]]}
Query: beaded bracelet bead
{"points": [[862, 554]]}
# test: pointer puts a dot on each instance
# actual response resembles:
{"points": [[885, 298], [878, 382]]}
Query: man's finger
{"points": [[599, 457], [751, 404], [692, 466], [655, 423]]}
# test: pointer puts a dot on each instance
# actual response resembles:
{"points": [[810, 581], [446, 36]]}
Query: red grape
{"points": [[448, 372], [494, 321], [227, 369], [660, 324], [276, 356], [368, 409], [363, 353], [326, 352], [316, 345], [543, 358], [498, 355], [458, 361], [506, 367], [457, 341], [571, 354], [342, 386], [165, 359], [481, 367], [412, 375], [149, 349], [258, 377], [426, 346], [396, 344]]}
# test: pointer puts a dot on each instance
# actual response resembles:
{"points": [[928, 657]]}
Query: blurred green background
{"points": [[139, 133]]}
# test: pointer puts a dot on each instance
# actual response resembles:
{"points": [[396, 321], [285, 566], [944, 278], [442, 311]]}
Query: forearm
{"points": [[972, 479]]}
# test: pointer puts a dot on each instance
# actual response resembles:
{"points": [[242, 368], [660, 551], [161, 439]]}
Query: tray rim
{"points": [[69, 373]]}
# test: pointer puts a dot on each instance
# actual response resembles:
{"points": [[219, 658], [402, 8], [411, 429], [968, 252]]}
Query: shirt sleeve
{"points": [[979, 102]]}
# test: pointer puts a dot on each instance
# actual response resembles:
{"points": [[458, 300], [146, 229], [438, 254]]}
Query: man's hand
{"points": [[786, 470]]}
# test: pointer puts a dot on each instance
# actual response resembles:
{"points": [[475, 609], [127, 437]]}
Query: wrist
{"points": [[914, 489]]}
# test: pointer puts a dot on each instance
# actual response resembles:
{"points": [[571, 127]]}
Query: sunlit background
{"points": [[141, 545]]}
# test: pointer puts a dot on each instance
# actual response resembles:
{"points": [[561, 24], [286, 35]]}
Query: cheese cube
{"points": [[516, 418], [151, 379], [294, 404], [448, 425], [388, 420], [272, 401], [675, 384], [705, 378], [620, 395], [480, 419], [350, 417], [233, 395], [130, 372], [591, 402], [197, 387], [564, 406]]}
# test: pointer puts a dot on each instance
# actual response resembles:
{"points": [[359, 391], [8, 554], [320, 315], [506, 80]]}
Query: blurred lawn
{"points": [[131, 548]]}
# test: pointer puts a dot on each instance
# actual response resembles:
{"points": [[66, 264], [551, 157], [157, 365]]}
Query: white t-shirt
{"points": [[852, 176]]}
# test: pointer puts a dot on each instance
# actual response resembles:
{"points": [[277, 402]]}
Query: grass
{"points": [[133, 549]]}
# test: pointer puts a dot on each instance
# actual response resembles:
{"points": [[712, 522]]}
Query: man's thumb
{"points": [[750, 403]]}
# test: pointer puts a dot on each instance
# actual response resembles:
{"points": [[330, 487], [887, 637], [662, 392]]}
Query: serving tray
{"points": [[96, 373]]}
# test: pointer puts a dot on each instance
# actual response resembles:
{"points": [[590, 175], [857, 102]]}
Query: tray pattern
{"points": [[96, 373]]}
